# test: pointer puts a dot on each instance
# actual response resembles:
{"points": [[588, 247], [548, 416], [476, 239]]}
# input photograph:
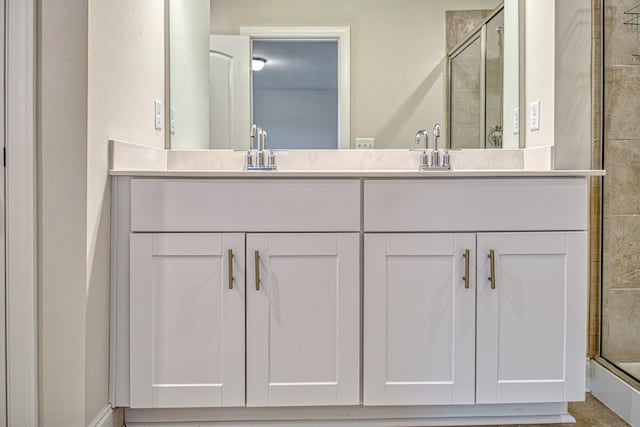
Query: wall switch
{"points": [[516, 121], [365, 143], [158, 114], [535, 115], [172, 120]]}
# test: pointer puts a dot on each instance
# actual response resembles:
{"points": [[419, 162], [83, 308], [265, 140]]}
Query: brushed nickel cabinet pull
{"points": [[230, 261], [257, 258], [492, 279], [466, 257]]}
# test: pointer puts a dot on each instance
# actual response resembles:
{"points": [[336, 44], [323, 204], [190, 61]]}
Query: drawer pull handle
{"points": [[230, 261], [467, 261], [492, 279], [257, 258]]}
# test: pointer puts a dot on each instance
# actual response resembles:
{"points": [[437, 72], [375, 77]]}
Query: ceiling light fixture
{"points": [[257, 63]]}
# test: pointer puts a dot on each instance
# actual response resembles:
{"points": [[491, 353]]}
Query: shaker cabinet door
{"points": [[303, 319], [532, 290], [419, 319], [187, 328]]}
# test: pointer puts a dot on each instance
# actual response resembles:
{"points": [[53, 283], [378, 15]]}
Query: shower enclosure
{"points": [[620, 216], [483, 77]]}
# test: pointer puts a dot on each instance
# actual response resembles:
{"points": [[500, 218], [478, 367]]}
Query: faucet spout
{"points": [[436, 136], [419, 135]]}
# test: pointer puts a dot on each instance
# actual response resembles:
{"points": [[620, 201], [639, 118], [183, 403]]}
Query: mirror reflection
{"points": [[342, 73]]}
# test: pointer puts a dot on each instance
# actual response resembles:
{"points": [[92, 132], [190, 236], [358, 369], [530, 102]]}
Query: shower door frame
{"points": [[481, 32]]}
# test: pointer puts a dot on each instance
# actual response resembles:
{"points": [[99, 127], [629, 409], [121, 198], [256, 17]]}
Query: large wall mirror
{"points": [[343, 74]]}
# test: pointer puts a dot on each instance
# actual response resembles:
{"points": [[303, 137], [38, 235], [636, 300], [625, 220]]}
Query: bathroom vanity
{"points": [[376, 298]]}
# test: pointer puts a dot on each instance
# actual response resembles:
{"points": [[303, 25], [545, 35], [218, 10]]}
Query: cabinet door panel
{"points": [[187, 327], [303, 322], [419, 319], [531, 336]]}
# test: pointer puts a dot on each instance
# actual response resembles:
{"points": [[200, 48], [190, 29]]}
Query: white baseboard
{"points": [[619, 396], [108, 417], [412, 422]]}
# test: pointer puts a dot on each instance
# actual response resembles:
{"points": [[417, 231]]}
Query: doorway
{"points": [[3, 331], [295, 92], [318, 70]]}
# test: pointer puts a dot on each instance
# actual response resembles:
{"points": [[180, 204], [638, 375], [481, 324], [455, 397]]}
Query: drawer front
{"points": [[192, 205], [476, 204]]}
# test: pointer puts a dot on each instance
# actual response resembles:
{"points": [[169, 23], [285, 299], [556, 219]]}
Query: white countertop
{"points": [[468, 173], [128, 159]]}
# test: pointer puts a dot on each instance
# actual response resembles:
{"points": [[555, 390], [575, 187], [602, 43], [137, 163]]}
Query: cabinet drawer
{"points": [[523, 204], [191, 205]]}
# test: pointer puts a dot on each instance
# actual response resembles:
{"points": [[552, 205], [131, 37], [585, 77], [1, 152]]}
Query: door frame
{"points": [[343, 36], [20, 278]]}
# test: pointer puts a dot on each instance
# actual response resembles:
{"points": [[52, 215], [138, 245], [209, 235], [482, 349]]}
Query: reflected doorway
{"points": [[295, 92]]}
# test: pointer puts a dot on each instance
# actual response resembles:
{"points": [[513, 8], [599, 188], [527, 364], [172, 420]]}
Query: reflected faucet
{"points": [[424, 157], [259, 137], [432, 163]]}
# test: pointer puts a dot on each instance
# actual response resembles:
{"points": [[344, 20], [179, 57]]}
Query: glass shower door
{"points": [[466, 120], [494, 81]]}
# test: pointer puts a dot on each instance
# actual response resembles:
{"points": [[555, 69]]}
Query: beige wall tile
{"points": [[622, 250], [621, 324], [621, 185], [622, 101]]}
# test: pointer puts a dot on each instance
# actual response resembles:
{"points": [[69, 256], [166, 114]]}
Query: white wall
{"points": [[511, 76], [189, 75], [99, 70], [573, 84], [558, 74], [540, 69], [126, 74], [62, 211], [397, 55]]}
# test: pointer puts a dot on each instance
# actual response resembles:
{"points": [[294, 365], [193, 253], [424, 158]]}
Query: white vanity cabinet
{"points": [[379, 301], [419, 319], [187, 322], [517, 334], [531, 317], [303, 319], [201, 262]]}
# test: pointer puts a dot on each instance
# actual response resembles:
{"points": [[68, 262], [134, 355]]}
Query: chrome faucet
{"points": [[258, 144], [432, 163], [424, 157], [435, 157]]}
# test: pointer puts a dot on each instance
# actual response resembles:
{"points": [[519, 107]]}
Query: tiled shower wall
{"points": [[621, 196]]}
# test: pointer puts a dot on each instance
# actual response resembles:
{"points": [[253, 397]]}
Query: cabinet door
{"points": [[303, 319], [532, 324], [419, 319], [187, 320]]}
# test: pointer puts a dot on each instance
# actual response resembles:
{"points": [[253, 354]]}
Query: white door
{"points": [[229, 92], [531, 317], [419, 319], [303, 319], [187, 328], [3, 352]]}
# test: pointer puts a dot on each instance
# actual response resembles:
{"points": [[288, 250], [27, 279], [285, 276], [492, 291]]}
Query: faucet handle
{"points": [[271, 162]]}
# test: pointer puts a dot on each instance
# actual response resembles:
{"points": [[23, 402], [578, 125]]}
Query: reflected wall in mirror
{"points": [[398, 71]]}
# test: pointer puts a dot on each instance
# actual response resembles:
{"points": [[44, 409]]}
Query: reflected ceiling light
{"points": [[257, 63]]}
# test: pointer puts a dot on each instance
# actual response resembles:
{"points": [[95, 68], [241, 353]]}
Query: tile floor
{"points": [[590, 413]]}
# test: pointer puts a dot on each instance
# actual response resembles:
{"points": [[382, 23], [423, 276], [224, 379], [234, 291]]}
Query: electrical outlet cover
{"points": [[534, 115]]}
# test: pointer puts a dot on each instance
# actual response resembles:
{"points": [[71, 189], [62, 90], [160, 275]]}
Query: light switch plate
{"points": [[516, 121], [535, 115], [157, 105], [365, 143], [172, 120]]}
